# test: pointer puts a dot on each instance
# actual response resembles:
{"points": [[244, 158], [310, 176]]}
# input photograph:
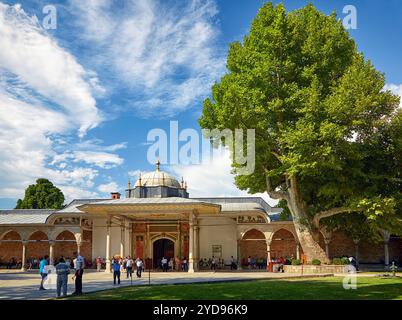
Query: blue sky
{"points": [[77, 102]]}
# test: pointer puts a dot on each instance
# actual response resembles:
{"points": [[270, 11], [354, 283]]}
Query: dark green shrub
{"points": [[288, 261], [336, 261], [296, 262], [345, 260], [316, 262]]}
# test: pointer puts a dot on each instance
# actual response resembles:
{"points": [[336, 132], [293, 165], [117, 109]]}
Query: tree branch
{"points": [[277, 195], [329, 213], [276, 155]]}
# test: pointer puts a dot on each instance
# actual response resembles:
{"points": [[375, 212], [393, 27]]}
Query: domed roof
{"points": [[157, 178]]}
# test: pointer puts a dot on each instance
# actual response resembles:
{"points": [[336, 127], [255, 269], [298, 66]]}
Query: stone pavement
{"points": [[16, 285]]}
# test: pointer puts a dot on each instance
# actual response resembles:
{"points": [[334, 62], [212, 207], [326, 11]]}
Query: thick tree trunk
{"points": [[307, 231], [308, 236]]}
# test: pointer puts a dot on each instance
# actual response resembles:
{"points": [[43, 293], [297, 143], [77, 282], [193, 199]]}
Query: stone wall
{"points": [[309, 269]]}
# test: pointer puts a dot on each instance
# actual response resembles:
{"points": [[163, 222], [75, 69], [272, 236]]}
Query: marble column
{"points": [[51, 252], [122, 240], [79, 244], [108, 245], [130, 241], [191, 246], [297, 250], [239, 266], [268, 252], [24, 253], [196, 258]]}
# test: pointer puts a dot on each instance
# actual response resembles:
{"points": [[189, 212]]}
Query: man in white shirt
{"points": [[79, 270], [139, 264], [164, 264], [129, 266]]}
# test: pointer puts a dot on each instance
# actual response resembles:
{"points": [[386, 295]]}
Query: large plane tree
{"points": [[328, 136]]}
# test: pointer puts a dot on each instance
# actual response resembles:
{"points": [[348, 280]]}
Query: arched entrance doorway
{"points": [[253, 245], [38, 246], [65, 246], [11, 249], [283, 245], [162, 248]]}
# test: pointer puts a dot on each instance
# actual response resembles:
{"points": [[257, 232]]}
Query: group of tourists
{"points": [[63, 268], [214, 263], [173, 264], [120, 265], [256, 263]]}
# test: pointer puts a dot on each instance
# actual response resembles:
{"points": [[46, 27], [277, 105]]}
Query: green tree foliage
{"points": [[42, 195], [328, 137]]}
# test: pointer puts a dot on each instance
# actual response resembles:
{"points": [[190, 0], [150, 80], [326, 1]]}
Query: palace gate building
{"points": [[157, 217]]}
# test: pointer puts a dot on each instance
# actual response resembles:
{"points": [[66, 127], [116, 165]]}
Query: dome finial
{"points": [[129, 184], [182, 182], [158, 165], [139, 181]]}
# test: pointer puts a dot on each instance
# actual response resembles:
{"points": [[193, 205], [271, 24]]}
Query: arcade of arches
{"points": [[38, 244]]}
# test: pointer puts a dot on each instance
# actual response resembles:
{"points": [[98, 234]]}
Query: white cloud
{"points": [[134, 173], [45, 95], [213, 179], [108, 187], [101, 159], [395, 89], [165, 51], [72, 192], [28, 52]]}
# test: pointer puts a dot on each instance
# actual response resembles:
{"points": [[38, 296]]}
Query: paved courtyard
{"points": [[25, 285]]}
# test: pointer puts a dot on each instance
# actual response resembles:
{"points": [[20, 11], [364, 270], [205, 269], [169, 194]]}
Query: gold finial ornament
{"points": [[158, 165], [182, 182], [129, 183], [139, 181]]}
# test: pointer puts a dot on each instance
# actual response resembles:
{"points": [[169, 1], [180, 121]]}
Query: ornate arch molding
{"points": [[266, 230], [290, 229], [5, 231], [169, 236]]}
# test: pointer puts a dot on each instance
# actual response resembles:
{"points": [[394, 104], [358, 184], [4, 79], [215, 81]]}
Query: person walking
{"points": [[43, 262], [233, 265], [129, 267], [116, 265], [139, 264], [164, 264], [98, 264], [79, 271], [213, 263], [62, 271], [184, 264]]}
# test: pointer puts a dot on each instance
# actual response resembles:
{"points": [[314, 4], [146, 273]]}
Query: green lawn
{"points": [[314, 288]]}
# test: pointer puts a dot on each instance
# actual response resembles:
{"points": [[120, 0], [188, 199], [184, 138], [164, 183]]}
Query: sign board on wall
{"points": [[217, 251]]}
